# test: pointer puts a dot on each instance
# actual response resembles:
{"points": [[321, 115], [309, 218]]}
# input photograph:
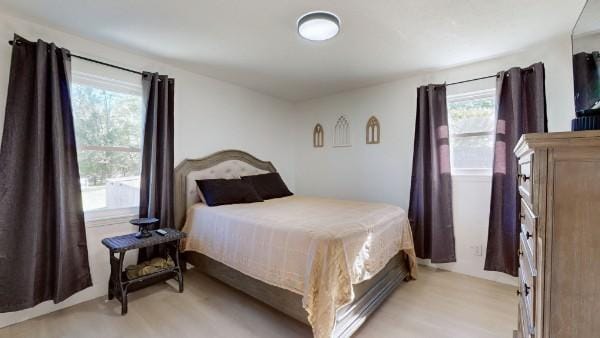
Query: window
{"points": [[108, 128], [472, 124]]}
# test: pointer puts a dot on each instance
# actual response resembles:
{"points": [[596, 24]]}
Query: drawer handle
{"points": [[520, 252], [523, 176], [528, 235], [518, 292], [527, 287]]}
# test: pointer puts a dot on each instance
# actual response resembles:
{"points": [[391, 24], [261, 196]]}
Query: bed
{"points": [[325, 262]]}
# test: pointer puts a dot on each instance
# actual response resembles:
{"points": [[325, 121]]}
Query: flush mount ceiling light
{"points": [[318, 26]]}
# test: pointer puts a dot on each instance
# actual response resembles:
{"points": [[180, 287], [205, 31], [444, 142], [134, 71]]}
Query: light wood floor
{"points": [[438, 304]]}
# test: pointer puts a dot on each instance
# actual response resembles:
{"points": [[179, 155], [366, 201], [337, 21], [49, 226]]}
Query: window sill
{"points": [[472, 177], [110, 220], [472, 172]]}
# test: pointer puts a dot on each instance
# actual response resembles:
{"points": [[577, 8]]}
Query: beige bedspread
{"points": [[315, 247]]}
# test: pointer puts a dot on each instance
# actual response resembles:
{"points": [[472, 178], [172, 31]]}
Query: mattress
{"points": [[315, 247]]}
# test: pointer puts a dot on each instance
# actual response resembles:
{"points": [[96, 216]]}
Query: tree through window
{"points": [[108, 129]]}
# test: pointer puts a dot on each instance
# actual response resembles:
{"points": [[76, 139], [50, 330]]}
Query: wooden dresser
{"points": [[559, 184]]}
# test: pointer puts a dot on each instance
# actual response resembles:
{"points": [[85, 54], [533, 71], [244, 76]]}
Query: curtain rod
{"points": [[528, 69], [471, 80], [11, 42]]}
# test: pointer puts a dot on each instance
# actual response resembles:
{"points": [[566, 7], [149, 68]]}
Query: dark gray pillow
{"points": [[222, 191], [268, 185]]}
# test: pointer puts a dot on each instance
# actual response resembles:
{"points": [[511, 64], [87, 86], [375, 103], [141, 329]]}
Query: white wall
{"points": [[210, 115], [382, 172]]}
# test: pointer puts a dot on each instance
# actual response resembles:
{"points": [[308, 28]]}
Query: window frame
{"points": [[467, 96], [101, 217]]}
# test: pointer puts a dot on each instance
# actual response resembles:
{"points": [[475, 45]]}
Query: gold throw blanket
{"points": [[315, 247]]}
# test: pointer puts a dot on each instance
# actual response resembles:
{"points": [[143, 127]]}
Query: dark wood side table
{"points": [[119, 285]]}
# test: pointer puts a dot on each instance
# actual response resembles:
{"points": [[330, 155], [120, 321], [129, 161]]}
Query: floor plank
{"points": [[438, 304]]}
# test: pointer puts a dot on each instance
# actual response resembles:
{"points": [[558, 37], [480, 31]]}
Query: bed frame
{"points": [[369, 295]]}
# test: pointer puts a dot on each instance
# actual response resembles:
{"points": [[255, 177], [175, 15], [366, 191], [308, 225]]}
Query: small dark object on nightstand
{"points": [[143, 224]]}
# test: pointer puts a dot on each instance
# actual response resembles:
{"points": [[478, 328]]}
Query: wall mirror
{"points": [[586, 66], [373, 132], [318, 136]]}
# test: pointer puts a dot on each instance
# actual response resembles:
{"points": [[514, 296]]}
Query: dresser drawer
{"points": [[526, 258], [526, 291], [528, 222], [525, 178], [524, 330], [521, 331]]}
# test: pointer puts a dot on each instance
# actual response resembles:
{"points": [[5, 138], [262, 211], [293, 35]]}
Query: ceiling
{"points": [[254, 43]]}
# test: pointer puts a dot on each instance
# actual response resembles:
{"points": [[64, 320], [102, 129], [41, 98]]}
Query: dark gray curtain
{"points": [[156, 190], [43, 249], [586, 76], [521, 109], [430, 210]]}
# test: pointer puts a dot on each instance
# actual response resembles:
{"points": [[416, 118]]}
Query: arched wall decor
{"points": [[318, 136], [373, 131], [341, 132]]}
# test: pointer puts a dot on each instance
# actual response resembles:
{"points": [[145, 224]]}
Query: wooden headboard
{"points": [[223, 164]]}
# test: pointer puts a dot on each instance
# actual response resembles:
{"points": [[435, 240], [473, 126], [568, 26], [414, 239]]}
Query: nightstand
{"points": [[119, 285]]}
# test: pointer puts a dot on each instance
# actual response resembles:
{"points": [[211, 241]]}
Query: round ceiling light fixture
{"points": [[318, 26]]}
